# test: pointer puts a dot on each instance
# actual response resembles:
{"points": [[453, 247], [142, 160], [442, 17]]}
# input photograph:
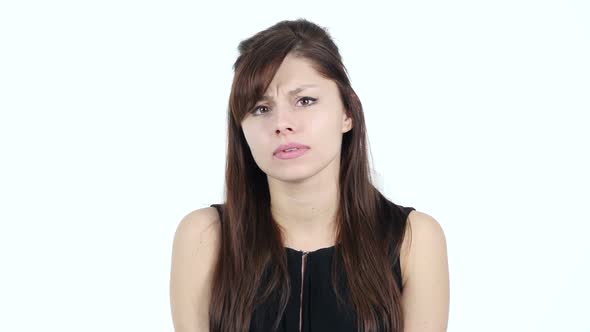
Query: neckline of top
{"points": [[301, 252]]}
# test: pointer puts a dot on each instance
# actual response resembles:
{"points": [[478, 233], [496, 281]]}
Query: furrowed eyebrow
{"points": [[292, 92]]}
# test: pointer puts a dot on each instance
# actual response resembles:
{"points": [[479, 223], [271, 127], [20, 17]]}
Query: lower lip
{"points": [[291, 154]]}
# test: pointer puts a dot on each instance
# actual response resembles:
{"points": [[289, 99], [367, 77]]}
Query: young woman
{"points": [[304, 241]]}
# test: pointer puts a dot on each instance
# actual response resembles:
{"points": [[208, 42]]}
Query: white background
{"points": [[113, 127]]}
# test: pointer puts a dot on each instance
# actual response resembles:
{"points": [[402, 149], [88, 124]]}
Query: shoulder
{"points": [[198, 229], [201, 223], [424, 235], [194, 255], [425, 297], [197, 236]]}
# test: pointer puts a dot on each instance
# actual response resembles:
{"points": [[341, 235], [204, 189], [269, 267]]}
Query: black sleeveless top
{"points": [[312, 302]]}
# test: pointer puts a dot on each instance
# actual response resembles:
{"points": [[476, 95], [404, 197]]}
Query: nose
{"points": [[284, 121], [278, 131]]}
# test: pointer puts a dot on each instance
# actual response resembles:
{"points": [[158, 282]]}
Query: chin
{"points": [[290, 174]]}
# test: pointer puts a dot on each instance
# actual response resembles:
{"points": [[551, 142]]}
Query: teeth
{"points": [[291, 149]]}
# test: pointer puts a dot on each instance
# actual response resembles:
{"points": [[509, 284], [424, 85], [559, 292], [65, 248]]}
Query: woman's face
{"points": [[303, 107]]}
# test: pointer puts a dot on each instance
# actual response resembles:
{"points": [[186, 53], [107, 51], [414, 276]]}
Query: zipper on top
{"points": [[303, 256]]}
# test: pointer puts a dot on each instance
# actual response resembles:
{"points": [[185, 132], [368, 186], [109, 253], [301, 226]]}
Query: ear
{"points": [[346, 123]]}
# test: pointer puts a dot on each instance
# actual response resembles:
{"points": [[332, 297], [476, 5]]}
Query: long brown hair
{"points": [[251, 247]]}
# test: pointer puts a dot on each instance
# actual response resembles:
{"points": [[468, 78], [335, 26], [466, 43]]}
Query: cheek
{"points": [[250, 129], [247, 135], [325, 125], [250, 136], [333, 129], [255, 142]]}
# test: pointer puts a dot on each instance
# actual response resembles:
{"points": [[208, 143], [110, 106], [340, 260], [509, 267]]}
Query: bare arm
{"points": [[425, 297], [194, 252]]}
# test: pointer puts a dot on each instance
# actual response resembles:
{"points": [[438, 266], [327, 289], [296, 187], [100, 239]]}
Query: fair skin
{"points": [[304, 195], [303, 190]]}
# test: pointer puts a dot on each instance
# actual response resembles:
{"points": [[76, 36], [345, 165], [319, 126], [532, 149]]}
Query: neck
{"points": [[305, 211]]}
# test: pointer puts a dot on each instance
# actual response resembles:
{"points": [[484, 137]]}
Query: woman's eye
{"points": [[263, 109], [309, 99], [257, 108]]}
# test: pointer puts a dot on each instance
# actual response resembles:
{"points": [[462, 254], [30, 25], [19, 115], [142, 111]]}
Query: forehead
{"points": [[295, 72]]}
